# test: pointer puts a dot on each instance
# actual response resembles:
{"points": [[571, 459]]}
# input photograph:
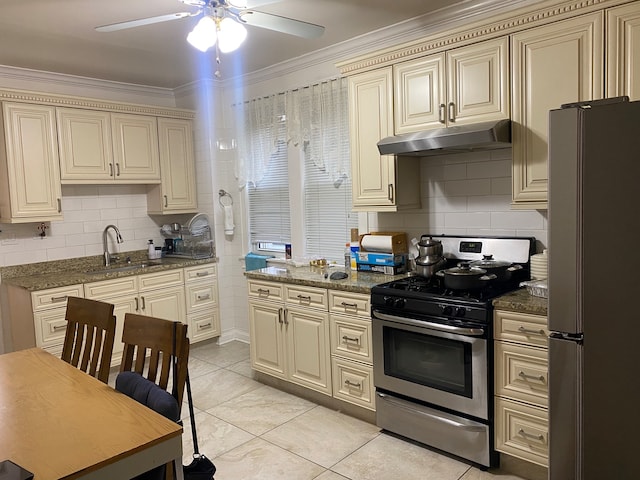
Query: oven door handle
{"points": [[475, 332], [448, 421]]}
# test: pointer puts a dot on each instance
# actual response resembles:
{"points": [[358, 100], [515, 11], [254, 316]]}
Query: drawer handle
{"points": [[304, 298], [532, 332], [349, 305], [349, 383], [144, 304], [202, 274], [524, 434], [351, 339], [263, 291], [59, 299], [526, 376], [203, 326], [203, 297], [280, 316], [57, 328]]}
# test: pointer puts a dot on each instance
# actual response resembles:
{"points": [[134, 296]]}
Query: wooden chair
{"points": [[88, 340], [148, 345]]}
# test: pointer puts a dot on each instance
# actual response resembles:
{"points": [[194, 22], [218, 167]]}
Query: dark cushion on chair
{"points": [[148, 393]]}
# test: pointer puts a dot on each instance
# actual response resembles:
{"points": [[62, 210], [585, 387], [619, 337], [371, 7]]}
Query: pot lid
{"points": [[464, 268], [428, 242], [488, 262]]}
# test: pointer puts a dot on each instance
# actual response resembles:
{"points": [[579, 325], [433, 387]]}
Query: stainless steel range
{"points": [[433, 346]]}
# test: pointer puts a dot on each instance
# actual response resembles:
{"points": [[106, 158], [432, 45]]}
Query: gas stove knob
{"points": [[399, 303], [447, 310], [389, 301], [461, 312]]}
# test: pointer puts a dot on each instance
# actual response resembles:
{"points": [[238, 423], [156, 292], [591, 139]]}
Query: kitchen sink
{"points": [[124, 268]]}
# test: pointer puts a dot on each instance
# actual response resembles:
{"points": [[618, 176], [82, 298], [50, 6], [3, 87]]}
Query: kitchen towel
{"points": [[228, 219], [377, 243]]}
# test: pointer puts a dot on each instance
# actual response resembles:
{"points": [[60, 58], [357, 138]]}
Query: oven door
{"points": [[439, 364]]}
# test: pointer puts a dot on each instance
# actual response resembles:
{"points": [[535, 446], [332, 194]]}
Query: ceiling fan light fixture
{"points": [[231, 34], [237, 3], [203, 36]]}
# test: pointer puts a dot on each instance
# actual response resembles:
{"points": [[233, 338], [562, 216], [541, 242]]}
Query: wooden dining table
{"points": [[60, 423]]}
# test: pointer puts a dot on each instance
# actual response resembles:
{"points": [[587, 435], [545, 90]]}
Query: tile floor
{"points": [[255, 432]]}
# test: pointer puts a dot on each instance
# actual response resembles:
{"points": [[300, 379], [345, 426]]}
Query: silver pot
{"points": [[427, 247], [429, 265], [501, 269], [466, 277]]}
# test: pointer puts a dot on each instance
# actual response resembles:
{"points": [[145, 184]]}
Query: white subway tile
{"points": [[525, 219], [468, 220], [468, 187], [501, 186], [489, 169]]}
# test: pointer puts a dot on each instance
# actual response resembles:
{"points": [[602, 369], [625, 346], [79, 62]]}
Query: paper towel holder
{"points": [[223, 194]]}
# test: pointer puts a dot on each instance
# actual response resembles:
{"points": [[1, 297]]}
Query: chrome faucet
{"points": [[107, 255]]}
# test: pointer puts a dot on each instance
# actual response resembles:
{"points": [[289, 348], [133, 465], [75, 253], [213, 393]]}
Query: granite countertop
{"points": [[358, 282], [521, 301], [61, 273]]}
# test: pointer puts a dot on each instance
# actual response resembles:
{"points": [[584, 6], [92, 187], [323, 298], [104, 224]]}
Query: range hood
{"points": [[460, 138]]}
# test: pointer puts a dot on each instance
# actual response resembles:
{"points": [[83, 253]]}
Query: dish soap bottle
{"points": [[152, 250]]}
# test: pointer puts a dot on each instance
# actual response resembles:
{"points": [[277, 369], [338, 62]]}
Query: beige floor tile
{"points": [[387, 457], [475, 474], [329, 475], [261, 460], [322, 435], [243, 368], [219, 386], [198, 367], [261, 410], [221, 355], [215, 437]]}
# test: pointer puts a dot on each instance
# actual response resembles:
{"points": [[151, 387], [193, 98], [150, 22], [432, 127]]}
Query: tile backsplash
{"points": [[467, 193]]}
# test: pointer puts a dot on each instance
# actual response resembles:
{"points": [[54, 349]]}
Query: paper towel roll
{"points": [[377, 243]]}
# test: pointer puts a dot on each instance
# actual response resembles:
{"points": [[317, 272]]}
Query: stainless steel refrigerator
{"points": [[594, 290]]}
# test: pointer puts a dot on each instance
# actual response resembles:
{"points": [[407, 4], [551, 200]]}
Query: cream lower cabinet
{"points": [[551, 65], [351, 354], [289, 328], [30, 188], [383, 183], [623, 51], [521, 386], [201, 292], [463, 85], [176, 192], [155, 294]]}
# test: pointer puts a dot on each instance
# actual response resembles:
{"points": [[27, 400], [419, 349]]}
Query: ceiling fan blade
{"points": [[281, 24], [142, 21]]}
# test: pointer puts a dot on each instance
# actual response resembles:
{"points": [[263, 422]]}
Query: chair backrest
{"points": [[88, 340], [148, 346]]}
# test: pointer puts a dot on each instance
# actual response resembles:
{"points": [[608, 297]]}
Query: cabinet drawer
{"points": [[521, 327], [203, 325], [351, 338], [353, 382], [350, 303], [266, 290], [50, 327], [54, 297], [522, 431], [193, 274], [168, 278], [306, 296], [200, 295], [109, 288], [522, 373]]}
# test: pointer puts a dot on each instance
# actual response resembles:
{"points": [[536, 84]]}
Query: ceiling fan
{"points": [[221, 15]]}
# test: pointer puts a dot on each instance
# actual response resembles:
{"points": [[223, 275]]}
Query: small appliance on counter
{"points": [[193, 241]]}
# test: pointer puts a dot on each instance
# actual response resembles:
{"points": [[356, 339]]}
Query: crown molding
{"points": [[91, 103]]}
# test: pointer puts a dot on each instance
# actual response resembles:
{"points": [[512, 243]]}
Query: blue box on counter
{"points": [[375, 258], [386, 269]]}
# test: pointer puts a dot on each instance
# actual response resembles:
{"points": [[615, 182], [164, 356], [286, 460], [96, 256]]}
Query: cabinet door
{"points": [[177, 190], [29, 172], [135, 148], [623, 51], [309, 355], [267, 337], [552, 65], [419, 94], [167, 303], [371, 120], [478, 82], [84, 137], [121, 306]]}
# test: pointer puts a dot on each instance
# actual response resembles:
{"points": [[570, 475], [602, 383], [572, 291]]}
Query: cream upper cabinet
{"points": [[135, 148], [86, 151], [30, 188], [380, 182], [469, 84], [552, 65], [623, 51], [177, 191]]}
